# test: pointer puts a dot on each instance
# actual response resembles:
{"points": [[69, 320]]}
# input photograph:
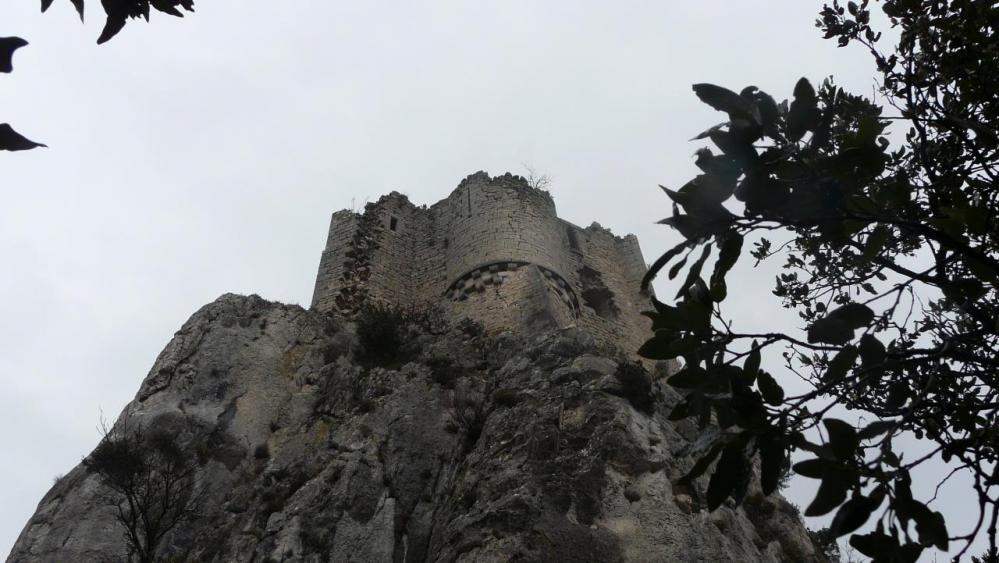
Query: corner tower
{"points": [[495, 251]]}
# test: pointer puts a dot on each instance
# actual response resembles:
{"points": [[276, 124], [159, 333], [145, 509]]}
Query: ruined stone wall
{"points": [[610, 271], [494, 250], [387, 253], [404, 258], [335, 266]]}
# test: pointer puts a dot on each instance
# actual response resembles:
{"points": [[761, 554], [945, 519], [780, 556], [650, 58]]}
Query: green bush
{"points": [[387, 333], [381, 331]]}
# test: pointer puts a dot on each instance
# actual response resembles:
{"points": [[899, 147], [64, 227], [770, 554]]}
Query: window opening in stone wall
{"points": [[573, 240], [596, 295], [393, 223]]}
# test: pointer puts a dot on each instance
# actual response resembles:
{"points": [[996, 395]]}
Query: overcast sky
{"points": [[189, 158]]}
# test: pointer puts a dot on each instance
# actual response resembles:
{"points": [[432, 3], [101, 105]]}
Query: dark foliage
{"points": [[382, 332], [430, 318], [11, 140], [444, 371], [388, 333], [891, 260], [825, 544], [990, 556], [118, 12], [7, 47], [151, 482]]}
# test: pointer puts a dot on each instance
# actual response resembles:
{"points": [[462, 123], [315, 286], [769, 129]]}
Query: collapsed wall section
{"points": [[338, 263], [385, 254], [608, 270]]}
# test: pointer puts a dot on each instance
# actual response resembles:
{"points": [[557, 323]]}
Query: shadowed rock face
{"points": [[475, 448]]}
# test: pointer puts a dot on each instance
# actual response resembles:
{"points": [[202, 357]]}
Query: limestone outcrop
{"points": [[466, 446]]}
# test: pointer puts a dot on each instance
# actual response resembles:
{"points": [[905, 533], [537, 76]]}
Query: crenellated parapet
{"points": [[494, 250]]}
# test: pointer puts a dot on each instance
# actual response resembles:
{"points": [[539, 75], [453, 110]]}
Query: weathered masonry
{"points": [[494, 251]]}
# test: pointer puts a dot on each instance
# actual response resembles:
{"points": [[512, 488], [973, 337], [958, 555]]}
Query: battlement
{"points": [[495, 251]]}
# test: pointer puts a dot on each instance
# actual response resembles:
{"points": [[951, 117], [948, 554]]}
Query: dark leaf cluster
{"points": [[387, 332], [118, 12], [886, 215], [11, 140]]}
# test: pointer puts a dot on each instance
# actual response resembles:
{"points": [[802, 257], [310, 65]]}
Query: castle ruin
{"points": [[494, 251], [537, 446]]}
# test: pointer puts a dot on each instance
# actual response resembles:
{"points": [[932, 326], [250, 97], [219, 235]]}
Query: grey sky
{"points": [[195, 157]]}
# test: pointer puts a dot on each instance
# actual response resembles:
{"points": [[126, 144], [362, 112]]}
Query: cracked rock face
{"points": [[471, 448]]}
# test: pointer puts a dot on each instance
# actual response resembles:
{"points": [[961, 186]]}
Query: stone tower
{"points": [[494, 251]]}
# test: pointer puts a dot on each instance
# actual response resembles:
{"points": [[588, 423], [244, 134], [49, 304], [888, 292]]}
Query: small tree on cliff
{"points": [[151, 485], [891, 259]]}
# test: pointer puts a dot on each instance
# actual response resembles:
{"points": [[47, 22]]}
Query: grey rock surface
{"points": [[470, 449]]}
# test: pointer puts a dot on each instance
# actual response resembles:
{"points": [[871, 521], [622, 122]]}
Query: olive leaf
{"points": [[7, 47], [11, 140]]}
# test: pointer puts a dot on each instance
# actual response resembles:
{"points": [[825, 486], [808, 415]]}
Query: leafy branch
{"points": [[891, 257], [118, 13]]}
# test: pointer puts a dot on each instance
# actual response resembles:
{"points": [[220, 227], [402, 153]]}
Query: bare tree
{"points": [[537, 181], [151, 484]]}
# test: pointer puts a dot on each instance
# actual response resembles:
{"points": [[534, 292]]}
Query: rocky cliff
{"points": [[466, 447]]}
